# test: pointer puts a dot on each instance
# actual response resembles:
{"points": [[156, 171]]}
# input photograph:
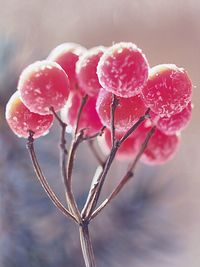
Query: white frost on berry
{"points": [[123, 77]]}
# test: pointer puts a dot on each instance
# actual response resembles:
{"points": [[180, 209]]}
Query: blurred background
{"points": [[156, 220]]}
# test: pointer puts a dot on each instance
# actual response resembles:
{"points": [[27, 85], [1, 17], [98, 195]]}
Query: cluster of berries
{"points": [[71, 71]]}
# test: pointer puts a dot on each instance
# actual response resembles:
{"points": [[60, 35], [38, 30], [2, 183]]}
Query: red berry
{"points": [[161, 147], [123, 69], [168, 90], [21, 120], [89, 117], [66, 55], [175, 123], [127, 112], [43, 85], [127, 151], [86, 68]]}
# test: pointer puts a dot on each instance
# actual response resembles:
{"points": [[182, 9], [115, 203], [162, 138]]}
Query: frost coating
{"points": [[21, 120], [66, 55], [175, 123], [86, 68], [42, 85], [127, 112], [168, 90], [123, 69]]}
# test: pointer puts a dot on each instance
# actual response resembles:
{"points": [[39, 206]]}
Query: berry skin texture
{"points": [[168, 90], [43, 85], [21, 120], [89, 119], [127, 112], [66, 55], [86, 68], [127, 151], [123, 69], [175, 123], [161, 147]]}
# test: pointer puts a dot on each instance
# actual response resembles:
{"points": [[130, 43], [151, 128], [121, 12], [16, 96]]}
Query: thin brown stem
{"points": [[100, 182], [77, 139], [99, 133], [43, 181], [135, 126], [89, 202], [83, 102], [86, 246], [68, 173], [95, 196], [112, 117], [56, 116], [127, 176], [64, 171], [95, 152]]}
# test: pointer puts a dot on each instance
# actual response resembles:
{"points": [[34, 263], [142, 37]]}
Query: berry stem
{"points": [[135, 126], [112, 116], [126, 177], [83, 102], [86, 245], [95, 152], [93, 187], [95, 191], [42, 179], [65, 170], [63, 163], [56, 116], [69, 169], [99, 133], [77, 139]]}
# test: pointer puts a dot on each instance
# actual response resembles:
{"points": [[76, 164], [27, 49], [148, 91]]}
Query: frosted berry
{"points": [[175, 123], [161, 147], [168, 90], [89, 118], [66, 55], [127, 151], [21, 120], [127, 112], [123, 69], [86, 68], [43, 85]]}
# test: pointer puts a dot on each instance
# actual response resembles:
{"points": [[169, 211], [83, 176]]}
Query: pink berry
{"points": [[127, 151], [43, 85], [66, 55], [21, 120], [123, 69], [86, 68], [127, 112], [168, 90], [89, 118], [175, 123], [161, 147]]}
